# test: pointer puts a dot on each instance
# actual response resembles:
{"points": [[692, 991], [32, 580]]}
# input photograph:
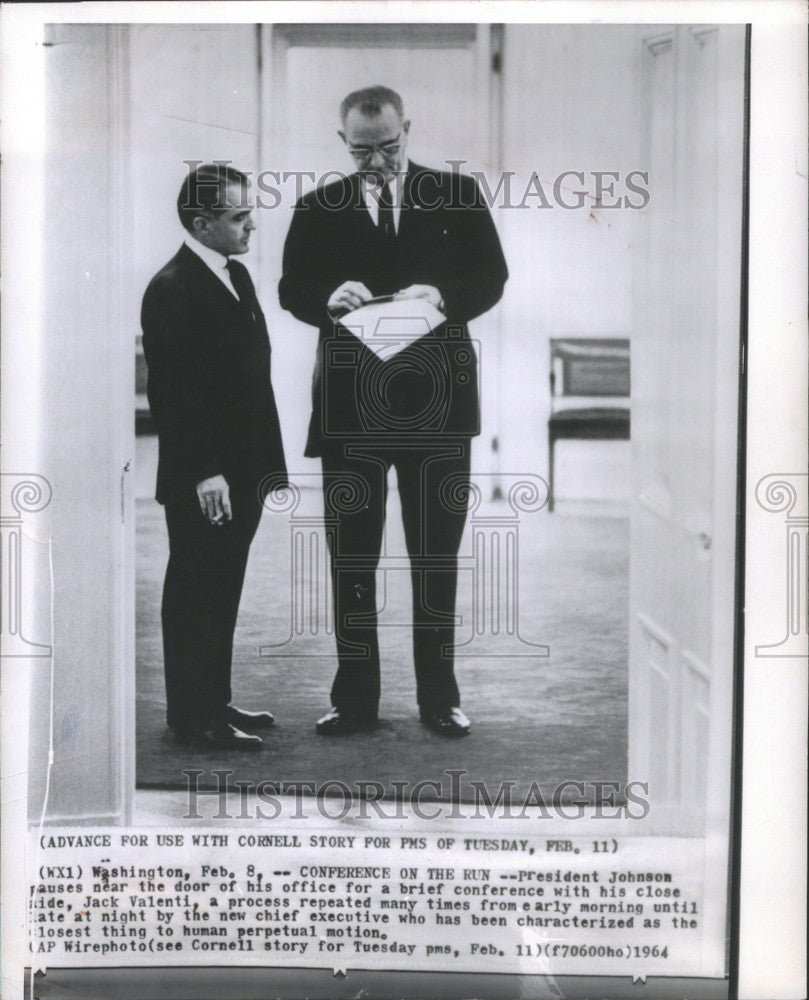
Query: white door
{"points": [[443, 73], [685, 352]]}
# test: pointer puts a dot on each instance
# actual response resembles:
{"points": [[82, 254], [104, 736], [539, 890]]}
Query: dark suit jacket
{"points": [[446, 238], [209, 389]]}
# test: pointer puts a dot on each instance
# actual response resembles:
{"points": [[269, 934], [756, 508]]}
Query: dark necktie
{"points": [[243, 285], [387, 230]]}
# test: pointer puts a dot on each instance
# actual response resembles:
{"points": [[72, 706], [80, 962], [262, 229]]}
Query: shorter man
{"points": [[208, 356]]}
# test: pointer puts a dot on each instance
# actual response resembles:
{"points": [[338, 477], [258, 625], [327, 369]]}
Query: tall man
{"points": [[208, 355], [393, 228]]}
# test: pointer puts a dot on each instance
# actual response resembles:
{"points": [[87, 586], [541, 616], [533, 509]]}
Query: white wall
{"points": [[86, 369], [569, 104], [193, 95]]}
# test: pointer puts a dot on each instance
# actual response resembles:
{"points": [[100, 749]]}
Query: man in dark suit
{"points": [[208, 356], [393, 228]]}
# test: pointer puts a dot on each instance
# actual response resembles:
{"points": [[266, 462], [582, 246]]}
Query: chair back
{"points": [[589, 367]]}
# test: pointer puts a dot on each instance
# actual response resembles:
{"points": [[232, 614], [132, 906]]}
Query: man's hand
{"points": [[429, 292], [350, 295], [214, 499]]}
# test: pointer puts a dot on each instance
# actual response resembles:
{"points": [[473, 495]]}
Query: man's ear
{"points": [[342, 136], [199, 225], [406, 126]]}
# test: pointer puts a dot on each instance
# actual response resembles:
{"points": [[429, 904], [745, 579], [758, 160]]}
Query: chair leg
{"points": [[551, 442]]}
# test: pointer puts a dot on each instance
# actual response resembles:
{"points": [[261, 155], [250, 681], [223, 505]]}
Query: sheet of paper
{"points": [[387, 325]]}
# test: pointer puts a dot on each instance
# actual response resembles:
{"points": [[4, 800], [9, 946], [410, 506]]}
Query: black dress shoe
{"points": [[220, 736], [338, 722], [447, 722], [248, 721]]}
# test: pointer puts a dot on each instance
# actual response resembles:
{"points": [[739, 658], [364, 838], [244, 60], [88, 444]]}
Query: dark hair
{"points": [[204, 190], [370, 100]]}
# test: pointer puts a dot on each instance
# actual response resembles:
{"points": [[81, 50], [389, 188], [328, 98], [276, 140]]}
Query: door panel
{"points": [[684, 377]]}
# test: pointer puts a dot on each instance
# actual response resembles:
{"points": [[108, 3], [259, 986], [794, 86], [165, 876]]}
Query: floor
{"points": [[545, 719]]}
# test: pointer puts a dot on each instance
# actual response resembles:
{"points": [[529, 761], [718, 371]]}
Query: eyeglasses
{"points": [[388, 149]]}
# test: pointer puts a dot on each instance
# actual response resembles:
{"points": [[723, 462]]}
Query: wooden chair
{"points": [[585, 368]]}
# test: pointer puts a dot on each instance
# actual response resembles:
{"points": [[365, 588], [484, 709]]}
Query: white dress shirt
{"points": [[216, 261], [371, 196]]}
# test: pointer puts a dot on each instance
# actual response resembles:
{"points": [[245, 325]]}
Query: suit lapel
{"points": [[244, 318], [408, 201], [413, 212], [204, 275]]}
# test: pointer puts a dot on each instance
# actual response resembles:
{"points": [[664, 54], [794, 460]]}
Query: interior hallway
{"points": [[546, 719]]}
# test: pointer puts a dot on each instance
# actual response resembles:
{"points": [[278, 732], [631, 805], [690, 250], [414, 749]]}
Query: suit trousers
{"points": [[433, 488], [201, 597]]}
